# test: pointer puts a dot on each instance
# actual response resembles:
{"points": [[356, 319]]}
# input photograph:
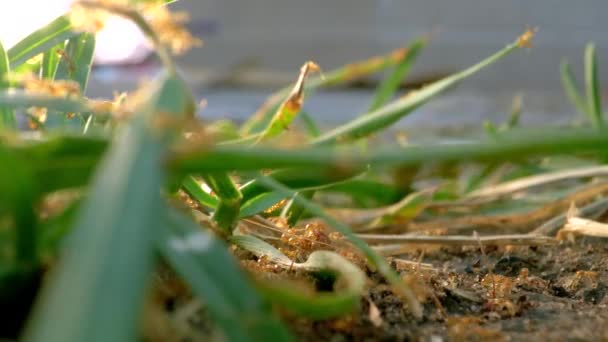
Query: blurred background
{"points": [[254, 47]]}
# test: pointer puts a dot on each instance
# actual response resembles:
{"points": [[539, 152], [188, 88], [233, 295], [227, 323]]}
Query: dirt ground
{"points": [[553, 292]]}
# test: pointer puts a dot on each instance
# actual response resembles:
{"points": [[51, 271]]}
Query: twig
{"points": [[510, 239], [591, 211], [543, 179]]}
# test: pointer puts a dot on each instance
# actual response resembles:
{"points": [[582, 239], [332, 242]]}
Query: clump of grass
{"points": [[148, 185]]}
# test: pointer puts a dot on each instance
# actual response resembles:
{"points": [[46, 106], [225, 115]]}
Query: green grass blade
{"points": [[391, 113], [314, 306], [300, 179], [7, 114], [214, 276], [62, 162], [18, 194], [41, 40], [75, 63], [193, 188], [342, 75], [260, 203], [390, 84], [310, 124], [373, 258], [570, 88], [290, 108], [227, 211], [50, 61], [24, 100], [96, 292], [592, 85], [513, 145]]}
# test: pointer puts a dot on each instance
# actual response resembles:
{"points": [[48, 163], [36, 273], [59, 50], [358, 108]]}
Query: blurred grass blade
{"points": [[310, 124], [7, 114], [24, 100], [313, 305], [342, 75], [390, 84], [260, 203], [289, 109], [391, 113], [214, 276], [18, 194], [301, 179], [373, 258], [571, 90], [75, 65], [76, 60], [40, 41], [50, 60], [62, 162], [96, 292], [594, 96], [227, 210], [325, 161], [194, 189]]}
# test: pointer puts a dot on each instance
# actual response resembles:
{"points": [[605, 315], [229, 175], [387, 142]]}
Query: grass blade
{"points": [[18, 194], [570, 88], [260, 203], [513, 145], [212, 273], [50, 61], [373, 258], [95, 294], [97, 289], [342, 75], [76, 60], [300, 179], [314, 306], [390, 84], [7, 114], [24, 100], [289, 109], [594, 96], [391, 113], [193, 188], [41, 40], [227, 211]]}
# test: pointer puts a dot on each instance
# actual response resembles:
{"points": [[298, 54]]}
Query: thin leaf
{"points": [[227, 210], [391, 113], [543, 179], [373, 258], [76, 60], [96, 292], [289, 109], [18, 195], [194, 189], [41, 40], [309, 123], [323, 160], [344, 74], [214, 276], [594, 96], [390, 84], [260, 203], [317, 305], [570, 88], [24, 100], [301, 179], [7, 114], [50, 60]]}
